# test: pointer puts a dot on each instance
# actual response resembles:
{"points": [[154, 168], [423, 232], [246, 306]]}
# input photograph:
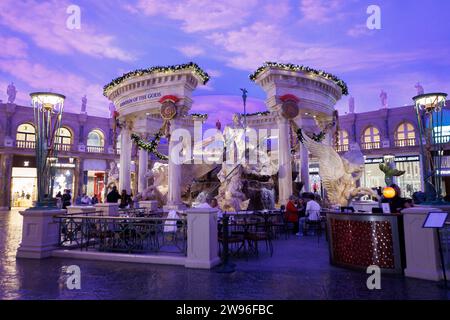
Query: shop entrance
{"points": [[95, 184], [23, 187]]}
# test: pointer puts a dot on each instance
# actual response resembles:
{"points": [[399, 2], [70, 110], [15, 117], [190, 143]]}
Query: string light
{"points": [[294, 67]]}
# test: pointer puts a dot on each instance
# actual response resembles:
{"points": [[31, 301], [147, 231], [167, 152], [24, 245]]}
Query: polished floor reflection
{"points": [[299, 269]]}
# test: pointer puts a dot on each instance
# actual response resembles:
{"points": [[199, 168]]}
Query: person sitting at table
{"points": [[292, 214], [312, 212], [397, 203]]}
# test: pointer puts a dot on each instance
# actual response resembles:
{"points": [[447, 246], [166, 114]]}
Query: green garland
{"points": [[316, 137], [151, 146], [203, 116], [260, 113], [294, 67], [141, 72]]}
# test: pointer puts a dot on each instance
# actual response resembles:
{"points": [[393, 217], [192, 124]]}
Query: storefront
{"points": [[314, 178], [64, 171], [409, 182], [94, 172], [24, 181]]}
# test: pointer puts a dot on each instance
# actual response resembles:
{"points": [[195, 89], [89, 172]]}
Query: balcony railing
{"points": [[342, 147], [370, 145], [63, 147], [405, 142], [442, 139], [95, 149], [25, 144]]}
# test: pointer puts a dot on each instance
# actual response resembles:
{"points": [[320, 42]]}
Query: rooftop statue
{"points": [[383, 98], [351, 105], [338, 174], [83, 104], [419, 88], [11, 92]]}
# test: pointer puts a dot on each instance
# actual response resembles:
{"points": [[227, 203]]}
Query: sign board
{"points": [[386, 208], [435, 220]]}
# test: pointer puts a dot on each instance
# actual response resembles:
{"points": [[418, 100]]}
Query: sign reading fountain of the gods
{"points": [[140, 98]]}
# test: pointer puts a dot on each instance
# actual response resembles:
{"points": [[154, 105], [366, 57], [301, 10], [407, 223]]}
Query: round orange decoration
{"points": [[389, 192]]}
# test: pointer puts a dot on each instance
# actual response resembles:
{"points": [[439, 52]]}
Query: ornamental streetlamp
{"points": [[48, 109], [430, 120], [244, 100]]}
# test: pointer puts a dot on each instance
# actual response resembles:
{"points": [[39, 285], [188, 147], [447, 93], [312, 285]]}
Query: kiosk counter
{"points": [[359, 240]]}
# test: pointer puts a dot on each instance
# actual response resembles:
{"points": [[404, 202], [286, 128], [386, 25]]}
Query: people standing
{"points": [[66, 197], [85, 200], [125, 200], [113, 196], [94, 199]]}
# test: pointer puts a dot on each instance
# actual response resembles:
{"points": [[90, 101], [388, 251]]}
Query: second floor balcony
{"points": [[342, 147], [25, 144], [411, 142], [95, 149], [371, 145]]}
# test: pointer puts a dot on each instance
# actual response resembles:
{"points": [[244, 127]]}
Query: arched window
{"points": [[343, 141], [95, 141], [63, 136], [26, 136], [371, 138], [405, 135], [63, 139]]}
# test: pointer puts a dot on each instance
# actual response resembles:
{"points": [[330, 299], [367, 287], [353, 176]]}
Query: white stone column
{"points": [[174, 194], [143, 167], [284, 161], [304, 167], [125, 160]]}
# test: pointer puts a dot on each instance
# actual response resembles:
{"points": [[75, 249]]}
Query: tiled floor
{"points": [[299, 269]]}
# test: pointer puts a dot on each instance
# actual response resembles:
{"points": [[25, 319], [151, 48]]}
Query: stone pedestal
{"points": [[202, 244], [152, 205], [80, 209], [108, 209], [421, 245], [40, 233], [169, 207]]}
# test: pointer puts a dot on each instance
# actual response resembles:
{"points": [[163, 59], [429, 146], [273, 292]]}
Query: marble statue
{"points": [[338, 174], [419, 88], [351, 105], [234, 136], [159, 184], [11, 92], [83, 104], [113, 176], [383, 98], [230, 197]]}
